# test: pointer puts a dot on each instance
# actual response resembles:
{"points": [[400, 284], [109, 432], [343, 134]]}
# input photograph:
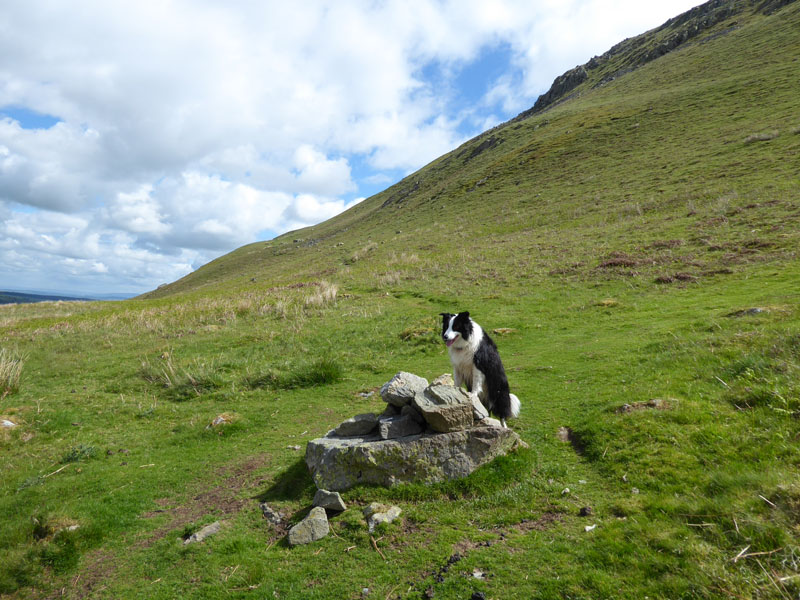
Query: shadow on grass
{"points": [[294, 483]]}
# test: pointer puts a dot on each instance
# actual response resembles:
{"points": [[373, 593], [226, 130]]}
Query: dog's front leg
{"points": [[478, 384], [457, 377]]}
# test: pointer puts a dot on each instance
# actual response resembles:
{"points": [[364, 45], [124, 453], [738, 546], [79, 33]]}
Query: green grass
{"points": [[622, 240]]}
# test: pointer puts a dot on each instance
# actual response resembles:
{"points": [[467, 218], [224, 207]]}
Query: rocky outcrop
{"points": [[634, 52], [562, 85]]}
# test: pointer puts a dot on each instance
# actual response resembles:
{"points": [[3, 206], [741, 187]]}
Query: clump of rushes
{"points": [[79, 453], [181, 383], [320, 372]]}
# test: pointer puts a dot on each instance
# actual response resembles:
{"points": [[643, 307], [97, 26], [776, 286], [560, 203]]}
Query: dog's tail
{"points": [[514, 405]]}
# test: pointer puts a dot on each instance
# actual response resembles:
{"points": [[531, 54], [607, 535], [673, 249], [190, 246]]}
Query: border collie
{"points": [[476, 364]]}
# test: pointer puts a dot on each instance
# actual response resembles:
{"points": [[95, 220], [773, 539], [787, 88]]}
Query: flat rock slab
{"points": [[402, 388], [445, 408], [329, 500], [204, 533], [338, 464], [358, 425]]}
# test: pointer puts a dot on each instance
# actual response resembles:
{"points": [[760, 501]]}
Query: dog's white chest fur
{"points": [[462, 358]]}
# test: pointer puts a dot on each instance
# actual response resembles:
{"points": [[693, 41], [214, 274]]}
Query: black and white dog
{"points": [[477, 364]]}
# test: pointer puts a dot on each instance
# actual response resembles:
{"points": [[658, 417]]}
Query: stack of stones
{"points": [[426, 433], [412, 406]]}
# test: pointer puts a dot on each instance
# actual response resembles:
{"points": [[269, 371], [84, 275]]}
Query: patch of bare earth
{"points": [[541, 523], [655, 403], [98, 566], [222, 500]]}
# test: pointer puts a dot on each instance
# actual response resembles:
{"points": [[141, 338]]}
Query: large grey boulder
{"points": [[314, 527], [340, 463], [401, 389], [445, 408]]}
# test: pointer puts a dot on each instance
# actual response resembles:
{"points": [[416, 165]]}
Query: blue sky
{"points": [[139, 141], [27, 118]]}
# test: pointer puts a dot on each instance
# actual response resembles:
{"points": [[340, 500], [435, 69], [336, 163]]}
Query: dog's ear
{"points": [[464, 314], [445, 315]]}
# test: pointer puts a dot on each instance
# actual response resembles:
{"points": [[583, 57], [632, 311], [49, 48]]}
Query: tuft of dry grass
{"points": [[325, 294], [10, 371], [403, 258], [391, 278], [362, 252], [181, 383]]}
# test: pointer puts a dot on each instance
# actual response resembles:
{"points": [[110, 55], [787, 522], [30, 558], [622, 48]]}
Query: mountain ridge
{"points": [[646, 47]]}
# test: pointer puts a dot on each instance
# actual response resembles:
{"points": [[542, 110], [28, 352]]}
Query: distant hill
{"points": [[25, 298]]}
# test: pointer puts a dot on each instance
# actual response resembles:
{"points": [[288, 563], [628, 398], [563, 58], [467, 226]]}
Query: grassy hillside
{"points": [[637, 244]]}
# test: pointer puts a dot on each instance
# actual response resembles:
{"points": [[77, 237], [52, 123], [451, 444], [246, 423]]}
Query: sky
{"points": [[141, 139]]}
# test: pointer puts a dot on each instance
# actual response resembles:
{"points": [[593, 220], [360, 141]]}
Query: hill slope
{"points": [[673, 137], [633, 251]]}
